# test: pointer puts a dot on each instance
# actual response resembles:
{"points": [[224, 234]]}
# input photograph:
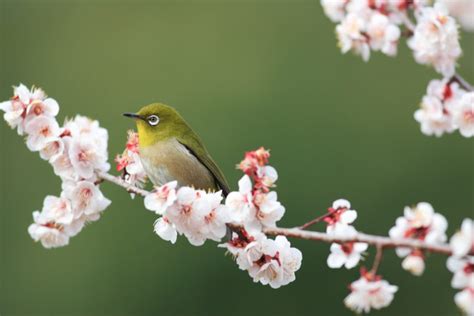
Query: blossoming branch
{"points": [[78, 154], [433, 36]]}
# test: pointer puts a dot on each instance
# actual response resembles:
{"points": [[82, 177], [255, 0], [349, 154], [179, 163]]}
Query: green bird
{"points": [[170, 150]]}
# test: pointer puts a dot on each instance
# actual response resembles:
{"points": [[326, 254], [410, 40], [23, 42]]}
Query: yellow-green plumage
{"points": [[171, 150]]}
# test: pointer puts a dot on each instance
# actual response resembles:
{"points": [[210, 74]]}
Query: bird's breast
{"points": [[169, 160]]}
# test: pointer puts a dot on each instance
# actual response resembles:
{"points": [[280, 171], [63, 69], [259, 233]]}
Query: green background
{"points": [[244, 74]]}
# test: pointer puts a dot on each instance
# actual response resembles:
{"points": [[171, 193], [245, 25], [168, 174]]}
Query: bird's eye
{"points": [[153, 120]]}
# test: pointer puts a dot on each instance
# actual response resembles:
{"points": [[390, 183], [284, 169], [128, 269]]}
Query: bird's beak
{"points": [[132, 115]]}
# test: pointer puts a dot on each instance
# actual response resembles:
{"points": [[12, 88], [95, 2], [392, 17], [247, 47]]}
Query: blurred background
{"points": [[244, 74]]}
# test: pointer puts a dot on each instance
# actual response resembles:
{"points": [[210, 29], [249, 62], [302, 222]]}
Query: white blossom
{"points": [[48, 107], [270, 209], [347, 254], [383, 34], [41, 130], [433, 118], [414, 263], [272, 262], [165, 230], [369, 294], [462, 242], [463, 270], [419, 222], [50, 234], [53, 149], [87, 156], [58, 210], [334, 9], [463, 114], [351, 35], [86, 199], [465, 300], [463, 11], [240, 203], [161, 198], [436, 40], [339, 220]]}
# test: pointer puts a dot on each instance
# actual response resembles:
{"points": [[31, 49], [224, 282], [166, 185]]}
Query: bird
{"points": [[170, 150]]}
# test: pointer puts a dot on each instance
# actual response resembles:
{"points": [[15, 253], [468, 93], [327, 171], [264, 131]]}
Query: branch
{"points": [[378, 241]]}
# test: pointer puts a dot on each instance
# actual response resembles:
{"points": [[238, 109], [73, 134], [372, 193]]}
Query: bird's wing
{"points": [[197, 149]]}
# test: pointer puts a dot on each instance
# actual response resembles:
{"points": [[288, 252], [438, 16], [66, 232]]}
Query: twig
{"points": [[377, 260], [316, 220], [379, 241]]}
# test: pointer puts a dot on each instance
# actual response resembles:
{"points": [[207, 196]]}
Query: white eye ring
{"points": [[153, 120]]}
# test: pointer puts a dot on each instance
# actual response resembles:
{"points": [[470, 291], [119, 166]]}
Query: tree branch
{"points": [[379, 241]]}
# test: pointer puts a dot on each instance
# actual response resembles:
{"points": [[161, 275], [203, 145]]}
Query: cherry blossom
{"points": [[369, 292], [50, 234], [339, 218], [272, 262], [422, 223], [162, 198], [87, 157], [436, 40], [351, 36], [462, 242], [347, 254], [241, 203], [463, 115], [432, 117], [414, 263], [334, 9], [130, 164], [16, 108], [86, 199], [463, 269], [165, 230], [41, 130], [465, 299], [383, 34], [462, 10]]}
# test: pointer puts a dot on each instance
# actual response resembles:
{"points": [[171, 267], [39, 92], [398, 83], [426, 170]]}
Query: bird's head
{"points": [[157, 122]]}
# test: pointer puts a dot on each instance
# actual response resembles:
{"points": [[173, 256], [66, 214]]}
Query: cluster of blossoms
{"points": [[129, 162], [339, 220], [76, 151], [201, 215], [445, 108], [366, 25], [421, 223], [461, 264]]}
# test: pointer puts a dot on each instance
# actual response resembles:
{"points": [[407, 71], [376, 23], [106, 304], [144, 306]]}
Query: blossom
{"points": [[463, 114], [462, 242], [462, 10], [272, 262], [465, 300], [422, 223], [334, 9], [267, 176], [369, 292], [53, 149], [58, 210], [86, 199], [347, 254], [339, 219], [270, 209], [50, 234], [414, 263], [351, 33], [41, 130], [161, 198], [48, 107], [383, 34], [165, 230], [130, 164], [15, 109], [87, 156], [463, 270], [436, 40], [240, 203], [433, 118]]}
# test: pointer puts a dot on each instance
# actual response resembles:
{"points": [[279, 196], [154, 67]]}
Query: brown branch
{"points": [[378, 241], [377, 260]]}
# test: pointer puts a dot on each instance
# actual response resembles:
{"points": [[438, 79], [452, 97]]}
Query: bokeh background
{"points": [[244, 74]]}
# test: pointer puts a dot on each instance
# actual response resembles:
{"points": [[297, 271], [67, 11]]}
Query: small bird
{"points": [[170, 150]]}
